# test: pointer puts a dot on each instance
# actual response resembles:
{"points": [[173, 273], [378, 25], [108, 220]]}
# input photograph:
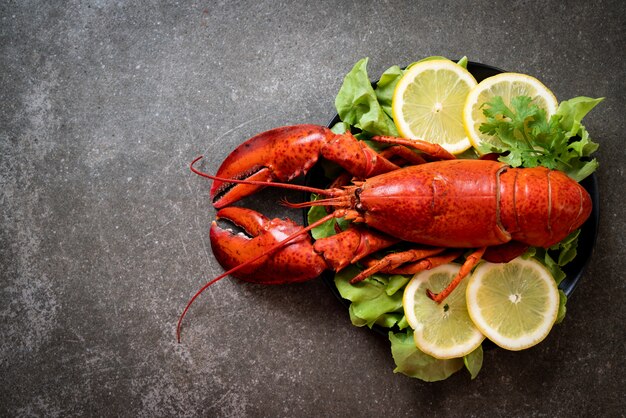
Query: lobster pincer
{"points": [[282, 154], [295, 262]]}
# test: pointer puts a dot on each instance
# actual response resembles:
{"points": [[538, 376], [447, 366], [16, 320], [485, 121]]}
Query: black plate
{"points": [[586, 240]]}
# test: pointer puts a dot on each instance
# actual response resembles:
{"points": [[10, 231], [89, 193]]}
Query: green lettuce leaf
{"points": [[371, 302], [562, 309], [340, 128], [557, 256], [367, 108], [326, 229], [396, 283], [357, 103], [573, 111], [412, 362], [474, 361], [386, 86]]}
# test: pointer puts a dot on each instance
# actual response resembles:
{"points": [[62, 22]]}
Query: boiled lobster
{"points": [[412, 191]]}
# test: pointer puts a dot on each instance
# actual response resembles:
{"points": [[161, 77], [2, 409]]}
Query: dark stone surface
{"points": [[104, 231]]}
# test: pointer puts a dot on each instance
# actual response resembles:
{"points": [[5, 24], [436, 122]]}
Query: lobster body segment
{"points": [[474, 203], [446, 204], [540, 207]]}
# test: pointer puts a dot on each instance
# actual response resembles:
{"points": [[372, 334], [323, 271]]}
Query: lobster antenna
{"points": [[324, 192], [337, 214], [333, 201]]}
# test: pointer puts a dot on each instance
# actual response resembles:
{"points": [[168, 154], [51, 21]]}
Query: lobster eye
{"points": [[358, 206]]}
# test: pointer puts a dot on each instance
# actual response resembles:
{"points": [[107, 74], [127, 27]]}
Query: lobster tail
{"points": [[531, 218]]}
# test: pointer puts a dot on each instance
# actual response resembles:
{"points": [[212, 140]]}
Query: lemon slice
{"points": [[513, 304], [428, 103], [506, 85], [442, 330]]}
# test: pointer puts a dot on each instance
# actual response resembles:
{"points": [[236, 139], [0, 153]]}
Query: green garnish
{"points": [[530, 139]]}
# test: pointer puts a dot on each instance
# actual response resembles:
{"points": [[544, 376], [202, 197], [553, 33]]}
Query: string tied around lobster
{"points": [[412, 192]]}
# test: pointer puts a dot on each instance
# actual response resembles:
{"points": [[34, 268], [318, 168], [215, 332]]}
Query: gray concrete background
{"points": [[104, 231]]}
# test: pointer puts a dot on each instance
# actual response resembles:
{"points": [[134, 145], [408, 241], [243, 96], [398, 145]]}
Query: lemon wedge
{"points": [[428, 103], [506, 85], [514, 304], [442, 330]]}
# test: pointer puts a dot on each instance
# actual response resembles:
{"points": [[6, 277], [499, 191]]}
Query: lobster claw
{"points": [[295, 262], [279, 154]]}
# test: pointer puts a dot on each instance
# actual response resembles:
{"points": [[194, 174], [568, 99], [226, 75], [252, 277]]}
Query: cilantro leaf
{"points": [[528, 138]]}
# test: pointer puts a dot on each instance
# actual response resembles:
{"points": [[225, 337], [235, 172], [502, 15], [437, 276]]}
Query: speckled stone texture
{"points": [[104, 231]]}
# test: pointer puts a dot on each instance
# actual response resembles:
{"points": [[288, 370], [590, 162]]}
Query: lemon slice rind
{"points": [[443, 330], [428, 103], [514, 304]]}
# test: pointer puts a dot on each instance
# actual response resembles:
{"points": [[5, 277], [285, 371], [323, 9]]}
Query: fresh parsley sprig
{"points": [[527, 138]]}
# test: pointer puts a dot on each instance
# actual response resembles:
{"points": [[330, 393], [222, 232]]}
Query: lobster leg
{"points": [[426, 263], [434, 150], [396, 152], [466, 268], [392, 261]]}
